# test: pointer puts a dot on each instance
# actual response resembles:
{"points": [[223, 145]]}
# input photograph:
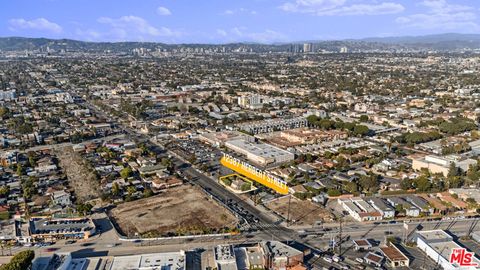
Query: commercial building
{"points": [[225, 257], [152, 261], [219, 139], [438, 164], [307, 47], [59, 261], [46, 229], [439, 245], [167, 260], [281, 256], [260, 153]]}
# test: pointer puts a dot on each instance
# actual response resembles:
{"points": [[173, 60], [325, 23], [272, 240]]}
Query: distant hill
{"points": [[441, 42], [447, 37]]}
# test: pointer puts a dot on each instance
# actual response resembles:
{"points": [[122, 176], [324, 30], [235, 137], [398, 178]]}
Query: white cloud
{"points": [[364, 9], [135, 28], [222, 32], [442, 15], [40, 24], [88, 35], [311, 6], [341, 7], [239, 11], [242, 34], [163, 11]]}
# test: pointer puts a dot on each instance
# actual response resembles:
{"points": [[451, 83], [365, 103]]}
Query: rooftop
{"points": [[47, 226], [164, 261]]}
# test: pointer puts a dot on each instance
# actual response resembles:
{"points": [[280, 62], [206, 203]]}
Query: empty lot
{"points": [[301, 212], [181, 210]]}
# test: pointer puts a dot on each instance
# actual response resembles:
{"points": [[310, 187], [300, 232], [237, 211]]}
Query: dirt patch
{"points": [[301, 212], [177, 211], [81, 175]]}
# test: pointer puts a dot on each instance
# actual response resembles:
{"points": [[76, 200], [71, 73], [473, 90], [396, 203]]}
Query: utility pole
{"points": [[340, 237], [288, 210]]}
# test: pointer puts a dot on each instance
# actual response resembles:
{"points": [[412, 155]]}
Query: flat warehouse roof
{"points": [[174, 261], [75, 225]]}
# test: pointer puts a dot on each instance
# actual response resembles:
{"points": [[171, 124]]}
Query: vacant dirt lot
{"points": [[301, 212], [180, 210], [80, 174]]}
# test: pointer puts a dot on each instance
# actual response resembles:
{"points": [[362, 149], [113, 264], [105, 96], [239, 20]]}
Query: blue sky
{"points": [[222, 21]]}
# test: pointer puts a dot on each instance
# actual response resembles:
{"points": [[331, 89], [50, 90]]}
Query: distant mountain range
{"points": [[448, 37], [441, 42]]}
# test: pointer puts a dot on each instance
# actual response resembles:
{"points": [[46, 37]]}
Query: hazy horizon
{"points": [[220, 22]]}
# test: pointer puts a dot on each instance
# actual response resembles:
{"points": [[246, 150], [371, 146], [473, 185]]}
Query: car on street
{"points": [[327, 259]]}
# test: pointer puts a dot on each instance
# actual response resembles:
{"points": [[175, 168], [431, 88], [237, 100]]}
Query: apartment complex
{"points": [[271, 125], [260, 153]]}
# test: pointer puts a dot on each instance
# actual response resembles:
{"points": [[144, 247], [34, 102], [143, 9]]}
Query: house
{"points": [[306, 168], [164, 183], [320, 198], [361, 244], [386, 210], [438, 206], [61, 198], [400, 203], [373, 259], [420, 203], [395, 257], [360, 210], [298, 189]]}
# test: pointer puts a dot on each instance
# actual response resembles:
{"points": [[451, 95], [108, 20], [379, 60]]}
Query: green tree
{"points": [[406, 184], [131, 190], [4, 112], [20, 170], [333, 193], [369, 183], [21, 261], [312, 120], [4, 190], [84, 208], [167, 162], [453, 171], [126, 172], [422, 183], [360, 130], [147, 192], [364, 118], [351, 187], [115, 189]]}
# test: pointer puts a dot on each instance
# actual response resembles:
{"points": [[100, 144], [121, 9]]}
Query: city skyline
{"points": [[261, 21]]}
